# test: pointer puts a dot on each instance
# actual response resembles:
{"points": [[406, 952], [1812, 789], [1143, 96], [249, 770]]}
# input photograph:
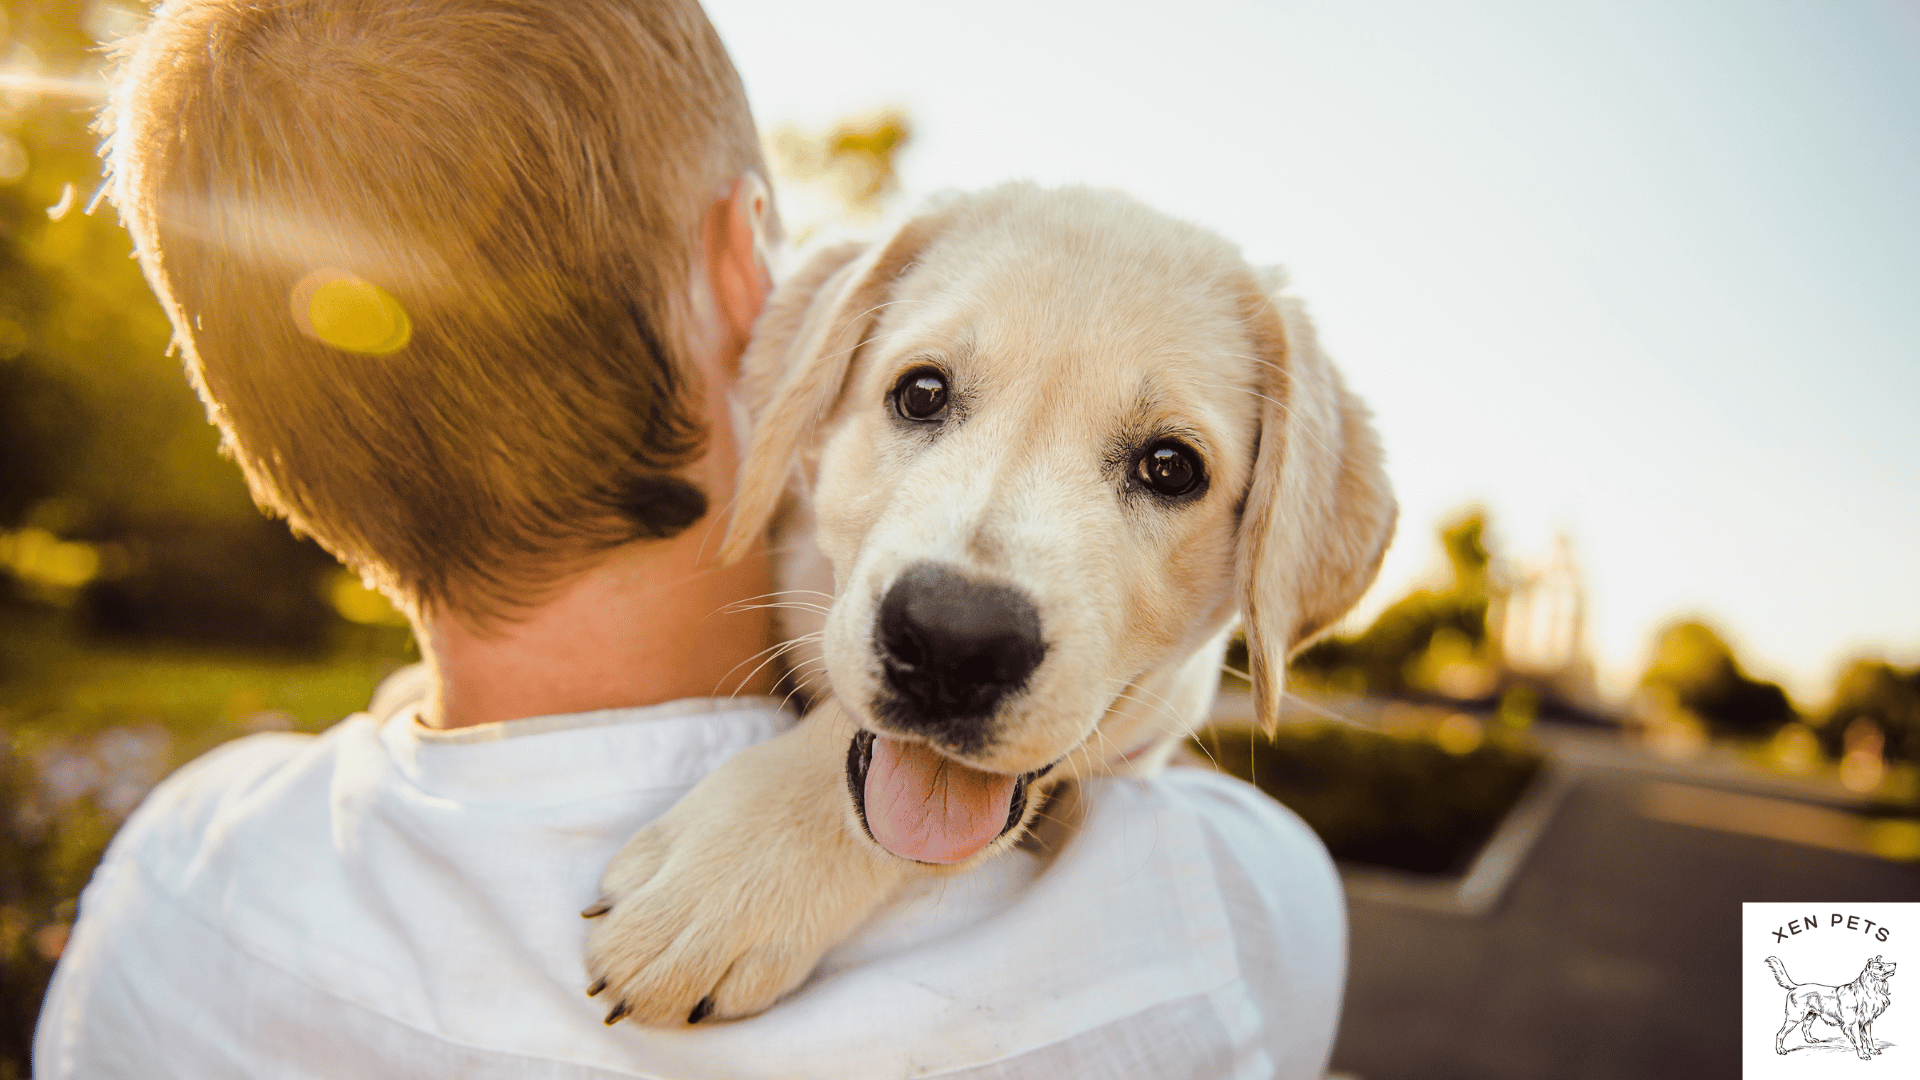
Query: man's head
{"points": [[437, 268]]}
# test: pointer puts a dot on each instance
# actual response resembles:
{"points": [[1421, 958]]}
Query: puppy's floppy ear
{"points": [[1320, 512], [797, 362]]}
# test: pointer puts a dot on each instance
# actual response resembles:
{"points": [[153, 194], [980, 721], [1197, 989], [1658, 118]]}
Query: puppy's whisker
{"points": [[1158, 709], [1284, 407], [1167, 706], [784, 605], [772, 653], [775, 597], [1205, 749], [1158, 721], [1288, 695], [802, 686], [1108, 762], [781, 646], [776, 649], [1319, 710]]}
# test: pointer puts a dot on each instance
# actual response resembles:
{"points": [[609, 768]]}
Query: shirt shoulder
{"points": [[91, 1022], [1188, 927], [1233, 855], [1287, 908], [197, 808], [1253, 838]]}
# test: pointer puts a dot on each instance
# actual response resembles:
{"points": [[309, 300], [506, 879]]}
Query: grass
{"points": [[55, 687], [86, 727]]}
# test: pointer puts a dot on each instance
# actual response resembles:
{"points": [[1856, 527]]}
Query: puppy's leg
{"points": [[731, 898], [1780, 1037], [1851, 1029]]}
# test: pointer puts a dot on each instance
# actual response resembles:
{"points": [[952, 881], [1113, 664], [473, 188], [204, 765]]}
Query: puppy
{"points": [[1851, 1008], [1043, 451]]}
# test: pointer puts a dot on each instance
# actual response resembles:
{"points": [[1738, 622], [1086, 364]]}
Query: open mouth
{"points": [[922, 805]]}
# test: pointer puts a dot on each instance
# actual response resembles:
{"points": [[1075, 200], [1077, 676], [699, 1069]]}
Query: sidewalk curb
{"points": [[1479, 890]]}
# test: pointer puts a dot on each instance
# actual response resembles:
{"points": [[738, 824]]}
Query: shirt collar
{"points": [[575, 756]]}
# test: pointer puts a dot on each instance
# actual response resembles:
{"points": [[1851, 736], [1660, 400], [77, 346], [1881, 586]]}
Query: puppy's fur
{"points": [[1852, 1008], [1076, 331]]}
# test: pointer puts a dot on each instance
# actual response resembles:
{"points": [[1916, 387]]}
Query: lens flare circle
{"points": [[350, 313]]}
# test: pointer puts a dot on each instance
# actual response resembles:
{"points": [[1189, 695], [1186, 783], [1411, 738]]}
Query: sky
{"points": [[1639, 273]]}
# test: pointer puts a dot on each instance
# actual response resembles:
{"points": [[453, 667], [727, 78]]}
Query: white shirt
{"points": [[385, 900]]}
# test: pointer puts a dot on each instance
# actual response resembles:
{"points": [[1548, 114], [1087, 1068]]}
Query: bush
{"points": [[1390, 800], [46, 856], [233, 584], [1883, 695], [1699, 670]]}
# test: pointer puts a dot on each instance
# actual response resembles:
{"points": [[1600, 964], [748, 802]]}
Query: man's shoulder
{"points": [[156, 932], [199, 804], [1138, 933]]}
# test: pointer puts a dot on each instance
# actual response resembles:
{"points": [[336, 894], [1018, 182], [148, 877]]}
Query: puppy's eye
{"points": [[921, 394], [1169, 469]]}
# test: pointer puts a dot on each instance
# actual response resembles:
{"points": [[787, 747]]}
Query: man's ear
{"points": [[739, 256], [798, 361], [1320, 512]]}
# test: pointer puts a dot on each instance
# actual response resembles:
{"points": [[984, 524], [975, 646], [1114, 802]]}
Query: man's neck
{"points": [[655, 621]]}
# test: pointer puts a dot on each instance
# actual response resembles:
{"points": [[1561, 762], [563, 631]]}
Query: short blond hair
{"points": [[514, 190]]}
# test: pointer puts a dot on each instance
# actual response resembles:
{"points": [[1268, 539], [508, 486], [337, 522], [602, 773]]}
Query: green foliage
{"points": [[92, 338], [1386, 658], [1696, 667], [1388, 800], [846, 175], [103, 440], [1884, 696], [27, 902], [244, 584]]}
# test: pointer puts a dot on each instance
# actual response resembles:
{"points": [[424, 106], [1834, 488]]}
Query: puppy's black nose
{"points": [[952, 647]]}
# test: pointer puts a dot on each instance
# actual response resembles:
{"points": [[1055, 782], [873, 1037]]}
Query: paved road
{"points": [[1613, 954]]}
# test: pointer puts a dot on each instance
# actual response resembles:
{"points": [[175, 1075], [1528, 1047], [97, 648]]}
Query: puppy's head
{"points": [[1054, 441]]}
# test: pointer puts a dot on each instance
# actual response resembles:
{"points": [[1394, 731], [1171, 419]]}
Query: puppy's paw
{"points": [[729, 900], [686, 932]]}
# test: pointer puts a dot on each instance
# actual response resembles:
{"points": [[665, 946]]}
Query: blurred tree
{"points": [[1431, 640], [1696, 668], [1882, 695], [46, 855], [24, 903], [39, 410], [846, 176], [104, 442], [234, 584]]}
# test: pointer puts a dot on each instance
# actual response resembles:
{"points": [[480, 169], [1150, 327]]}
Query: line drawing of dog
{"points": [[1027, 463], [1852, 1007]]}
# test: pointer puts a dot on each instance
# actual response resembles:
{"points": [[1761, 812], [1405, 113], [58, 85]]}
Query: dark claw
{"points": [[701, 1011], [619, 1011], [597, 909], [596, 987]]}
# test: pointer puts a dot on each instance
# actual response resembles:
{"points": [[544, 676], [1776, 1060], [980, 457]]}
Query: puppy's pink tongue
{"points": [[930, 808]]}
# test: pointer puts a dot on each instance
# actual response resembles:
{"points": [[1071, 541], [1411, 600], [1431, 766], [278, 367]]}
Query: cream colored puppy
{"points": [[1045, 450]]}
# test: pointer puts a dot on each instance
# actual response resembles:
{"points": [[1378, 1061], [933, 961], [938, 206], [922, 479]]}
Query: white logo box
{"points": [[1828, 944]]}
